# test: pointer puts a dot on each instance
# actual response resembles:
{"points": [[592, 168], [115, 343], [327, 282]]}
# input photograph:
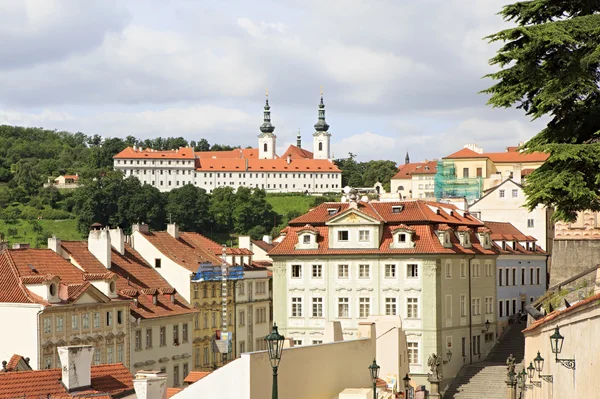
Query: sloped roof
{"points": [[265, 165], [504, 231], [13, 363], [465, 153], [297, 153], [558, 313], [500, 157], [181, 153], [265, 246], [235, 153], [113, 380], [195, 376]]}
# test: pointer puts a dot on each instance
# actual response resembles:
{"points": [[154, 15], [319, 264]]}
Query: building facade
{"points": [[415, 180], [297, 170], [431, 264]]}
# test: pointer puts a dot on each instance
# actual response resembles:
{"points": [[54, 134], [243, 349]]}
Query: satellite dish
{"points": [[347, 190]]}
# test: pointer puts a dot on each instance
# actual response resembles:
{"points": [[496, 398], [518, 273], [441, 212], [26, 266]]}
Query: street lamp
{"points": [[530, 373], [539, 366], [406, 381], [275, 346], [487, 325], [374, 370], [449, 354], [556, 343]]}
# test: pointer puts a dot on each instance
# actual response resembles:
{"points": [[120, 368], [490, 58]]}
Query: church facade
{"points": [[296, 170]]}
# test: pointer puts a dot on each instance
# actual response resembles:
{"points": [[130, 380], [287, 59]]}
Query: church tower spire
{"points": [[298, 140], [321, 136], [266, 139], [407, 159]]}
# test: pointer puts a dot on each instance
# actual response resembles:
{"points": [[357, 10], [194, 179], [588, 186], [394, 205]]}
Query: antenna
{"points": [[170, 221]]}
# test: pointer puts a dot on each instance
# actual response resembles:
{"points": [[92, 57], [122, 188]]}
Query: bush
{"points": [[55, 214]]}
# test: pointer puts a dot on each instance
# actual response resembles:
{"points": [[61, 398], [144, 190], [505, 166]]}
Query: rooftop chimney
{"points": [[141, 227], [117, 240], [173, 230], [289, 159], [54, 244], [76, 366], [268, 239], [150, 385], [99, 245]]}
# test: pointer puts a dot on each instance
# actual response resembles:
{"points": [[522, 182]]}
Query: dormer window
{"points": [[306, 239], [52, 289], [397, 208], [331, 211], [343, 235], [402, 237], [504, 245]]}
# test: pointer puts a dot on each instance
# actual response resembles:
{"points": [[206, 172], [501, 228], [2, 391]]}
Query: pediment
{"points": [[91, 295], [352, 217]]}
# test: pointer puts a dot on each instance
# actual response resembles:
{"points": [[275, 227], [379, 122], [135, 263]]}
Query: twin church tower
{"points": [[321, 136]]}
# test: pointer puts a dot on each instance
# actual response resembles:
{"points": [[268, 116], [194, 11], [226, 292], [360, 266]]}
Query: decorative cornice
{"points": [[343, 289], [317, 289], [296, 289], [412, 289], [410, 334], [316, 333], [298, 332], [163, 359], [391, 289]]}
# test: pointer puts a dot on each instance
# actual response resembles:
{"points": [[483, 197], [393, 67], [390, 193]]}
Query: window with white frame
{"points": [[364, 235], [412, 271], [364, 271], [489, 304], [97, 356], [364, 307], [85, 320], [413, 352], [296, 307], [47, 325], [306, 239], [296, 271], [75, 322], [448, 304], [317, 341], [96, 320], [530, 223], [475, 306], [343, 307], [449, 342], [463, 269], [390, 271], [515, 193], [475, 270], [317, 271], [317, 307], [298, 342], [343, 271], [488, 270], [412, 308], [463, 305], [343, 235], [242, 317], [449, 270], [390, 307], [59, 323], [501, 193]]}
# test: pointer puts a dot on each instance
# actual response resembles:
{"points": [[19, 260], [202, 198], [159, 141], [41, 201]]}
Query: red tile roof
{"points": [[558, 313], [266, 165], [114, 380], [74, 177], [235, 153], [419, 216], [297, 153], [130, 153], [13, 363], [407, 170], [195, 376], [172, 391], [504, 231], [500, 157], [137, 279], [465, 153], [265, 246]]}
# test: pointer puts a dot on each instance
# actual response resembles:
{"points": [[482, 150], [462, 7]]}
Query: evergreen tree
{"points": [[550, 67]]}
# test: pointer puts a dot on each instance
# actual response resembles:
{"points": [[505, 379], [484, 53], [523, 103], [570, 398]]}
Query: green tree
{"points": [[201, 145], [379, 171], [222, 203], [28, 176], [550, 66], [188, 206]]}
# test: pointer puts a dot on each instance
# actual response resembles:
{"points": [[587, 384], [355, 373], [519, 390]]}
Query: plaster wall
{"points": [[571, 257], [23, 340]]}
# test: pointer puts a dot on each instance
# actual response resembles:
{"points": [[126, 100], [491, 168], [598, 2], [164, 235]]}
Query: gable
{"points": [[507, 184], [352, 217], [91, 295]]}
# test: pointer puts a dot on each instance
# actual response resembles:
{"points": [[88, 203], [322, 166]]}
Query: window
{"points": [[109, 318], [157, 263], [488, 337], [317, 307], [343, 271], [47, 325], [500, 309], [530, 223], [412, 271], [184, 332], [412, 308], [85, 320], [119, 317], [531, 276], [364, 307], [463, 305], [343, 235], [306, 239], [185, 370], [205, 355], [507, 275], [261, 315], [507, 307], [476, 270], [176, 375], [489, 305], [343, 307], [317, 341], [214, 319], [242, 347], [97, 356], [488, 270], [296, 271], [59, 323], [465, 173], [402, 237], [448, 270], [96, 320], [163, 336], [514, 276], [390, 307], [522, 276], [413, 352], [514, 306], [499, 277], [463, 342], [463, 269], [317, 271], [364, 271], [241, 288], [138, 339], [449, 342], [298, 342], [109, 355], [537, 276], [242, 317], [176, 334], [390, 271], [296, 307], [501, 193], [364, 235], [475, 306], [148, 338], [74, 322], [515, 193], [479, 172], [449, 306]]}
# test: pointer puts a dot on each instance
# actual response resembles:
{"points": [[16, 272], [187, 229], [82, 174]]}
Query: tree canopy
{"points": [[550, 66], [366, 174]]}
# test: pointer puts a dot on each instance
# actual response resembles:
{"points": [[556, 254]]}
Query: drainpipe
{"points": [[39, 355], [470, 315]]}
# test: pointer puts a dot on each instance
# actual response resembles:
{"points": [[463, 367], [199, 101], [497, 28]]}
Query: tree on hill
{"points": [[188, 207], [365, 174], [550, 66]]}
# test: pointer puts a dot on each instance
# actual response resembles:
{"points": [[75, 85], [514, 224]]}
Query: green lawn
{"points": [[63, 229], [283, 204]]}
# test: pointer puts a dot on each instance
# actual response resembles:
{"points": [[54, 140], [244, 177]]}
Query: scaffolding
{"points": [[449, 185]]}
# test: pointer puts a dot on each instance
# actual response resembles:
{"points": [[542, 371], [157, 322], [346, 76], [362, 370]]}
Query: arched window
{"points": [[320, 146], [400, 188], [265, 147]]}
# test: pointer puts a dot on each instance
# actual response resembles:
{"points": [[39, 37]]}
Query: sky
{"points": [[398, 76]]}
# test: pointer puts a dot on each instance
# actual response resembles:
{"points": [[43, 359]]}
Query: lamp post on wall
{"points": [[530, 373], [556, 343], [406, 381], [275, 346], [374, 370], [539, 366]]}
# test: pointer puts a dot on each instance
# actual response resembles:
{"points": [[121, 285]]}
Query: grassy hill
{"points": [[283, 204], [63, 229]]}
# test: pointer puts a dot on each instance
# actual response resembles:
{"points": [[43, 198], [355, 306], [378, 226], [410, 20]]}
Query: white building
{"points": [[415, 180], [505, 202], [433, 265], [297, 170]]}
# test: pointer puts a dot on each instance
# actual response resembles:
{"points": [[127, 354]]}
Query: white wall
{"points": [[22, 338]]}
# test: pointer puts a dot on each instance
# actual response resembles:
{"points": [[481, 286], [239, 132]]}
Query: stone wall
{"points": [[571, 257]]}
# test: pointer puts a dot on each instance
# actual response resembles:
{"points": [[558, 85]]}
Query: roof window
{"points": [[332, 211], [397, 208]]}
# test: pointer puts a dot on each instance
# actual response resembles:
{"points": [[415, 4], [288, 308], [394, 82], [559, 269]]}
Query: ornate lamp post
{"points": [[539, 366], [374, 370], [275, 346], [487, 325], [406, 381], [530, 374], [556, 343]]}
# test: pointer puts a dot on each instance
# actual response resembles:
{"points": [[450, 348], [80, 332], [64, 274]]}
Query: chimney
{"points": [[268, 239], [150, 385], [289, 159], [173, 230], [76, 366], [54, 244], [141, 227], [117, 240], [99, 245]]}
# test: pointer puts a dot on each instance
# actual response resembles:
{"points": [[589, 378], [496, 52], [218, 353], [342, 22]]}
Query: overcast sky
{"points": [[398, 75]]}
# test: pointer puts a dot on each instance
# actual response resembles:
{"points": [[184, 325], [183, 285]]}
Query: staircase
{"points": [[486, 379]]}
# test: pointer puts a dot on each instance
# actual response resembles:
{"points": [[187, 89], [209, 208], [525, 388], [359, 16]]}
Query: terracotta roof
{"points": [[504, 231], [74, 177], [137, 279], [265, 246], [235, 153], [266, 165], [465, 153], [172, 391], [500, 157], [181, 153], [13, 363], [195, 376], [297, 153], [526, 172], [407, 170], [309, 227], [114, 380], [557, 313]]}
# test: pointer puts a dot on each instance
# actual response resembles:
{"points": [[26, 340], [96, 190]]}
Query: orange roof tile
{"points": [[235, 153], [407, 170], [465, 153], [504, 231], [297, 153], [74, 177], [14, 361], [526, 172], [266, 165], [265, 246], [181, 153], [195, 376], [172, 391], [110, 379], [557, 313], [500, 157]]}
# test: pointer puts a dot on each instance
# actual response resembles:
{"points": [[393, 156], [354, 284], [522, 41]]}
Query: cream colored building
{"points": [[57, 304], [432, 265], [414, 180]]}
